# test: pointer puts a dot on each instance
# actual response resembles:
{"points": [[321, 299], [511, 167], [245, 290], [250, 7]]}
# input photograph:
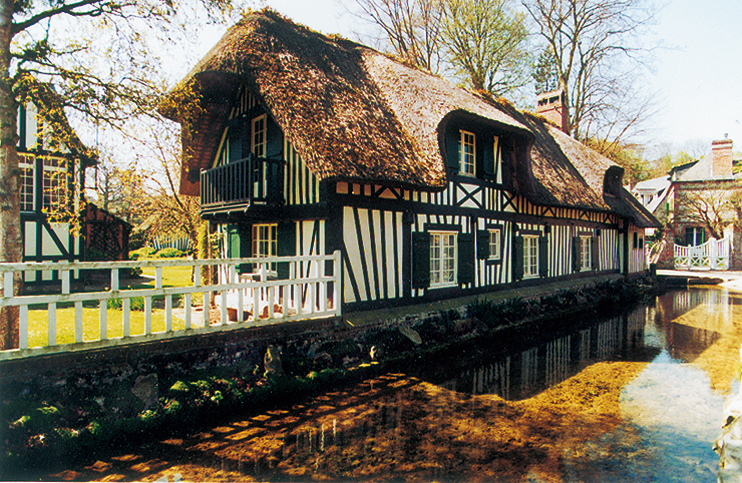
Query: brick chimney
{"points": [[551, 106], [721, 158]]}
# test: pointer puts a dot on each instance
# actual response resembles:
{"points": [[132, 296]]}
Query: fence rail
{"points": [[312, 290]]}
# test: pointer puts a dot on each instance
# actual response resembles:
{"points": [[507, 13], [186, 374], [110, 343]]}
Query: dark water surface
{"points": [[636, 397]]}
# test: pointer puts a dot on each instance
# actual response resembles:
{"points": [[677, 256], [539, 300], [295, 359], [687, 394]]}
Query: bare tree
{"points": [[596, 54], [487, 45], [412, 28], [714, 208]]}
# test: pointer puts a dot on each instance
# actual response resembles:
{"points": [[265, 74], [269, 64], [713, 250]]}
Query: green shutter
{"points": [[234, 241], [483, 244], [594, 252], [238, 245], [420, 260], [286, 246], [466, 258], [488, 158], [576, 262], [543, 256], [452, 150], [518, 258]]}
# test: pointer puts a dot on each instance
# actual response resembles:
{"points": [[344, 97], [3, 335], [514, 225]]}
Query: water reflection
{"points": [[628, 406], [683, 323]]}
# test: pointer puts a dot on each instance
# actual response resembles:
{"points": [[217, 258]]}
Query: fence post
{"points": [[23, 327], [8, 284], [52, 324]]}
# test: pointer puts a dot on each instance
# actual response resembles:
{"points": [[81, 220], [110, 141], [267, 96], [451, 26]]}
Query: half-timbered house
{"points": [[303, 144], [52, 162]]}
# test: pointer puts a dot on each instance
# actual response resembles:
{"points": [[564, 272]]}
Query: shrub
{"points": [[144, 252], [170, 252], [136, 303]]}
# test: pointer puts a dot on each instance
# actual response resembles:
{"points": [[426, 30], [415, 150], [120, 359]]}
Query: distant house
{"points": [[306, 144], [52, 181], [686, 200]]}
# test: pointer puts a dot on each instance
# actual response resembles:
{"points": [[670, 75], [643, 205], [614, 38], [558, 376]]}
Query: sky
{"points": [[696, 78]]}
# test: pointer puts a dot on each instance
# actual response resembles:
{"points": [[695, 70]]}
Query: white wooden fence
{"points": [[712, 255], [241, 300]]}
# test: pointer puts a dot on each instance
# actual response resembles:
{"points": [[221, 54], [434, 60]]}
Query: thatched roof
{"points": [[355, 114]]}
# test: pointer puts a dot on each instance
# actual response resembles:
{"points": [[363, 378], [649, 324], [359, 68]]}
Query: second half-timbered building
{"points": [[304, 144], [52, 162]]}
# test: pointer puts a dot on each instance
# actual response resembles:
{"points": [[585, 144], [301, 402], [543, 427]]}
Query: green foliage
{"points": [[545, 75], [170, 252], [142, 253], [487, 45], [135, 303], [137, 239]]}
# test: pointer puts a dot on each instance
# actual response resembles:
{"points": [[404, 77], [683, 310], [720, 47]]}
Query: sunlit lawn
{"points": [[171, 277]]}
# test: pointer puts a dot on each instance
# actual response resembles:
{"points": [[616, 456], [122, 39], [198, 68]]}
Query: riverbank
{"points": [[48, 430]]}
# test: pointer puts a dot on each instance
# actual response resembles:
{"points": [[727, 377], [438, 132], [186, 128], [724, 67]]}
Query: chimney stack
{"points": [[721, 158], [551, 106]]}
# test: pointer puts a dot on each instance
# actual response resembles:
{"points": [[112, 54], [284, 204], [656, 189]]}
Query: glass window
{"points": [[54, 183], [530, 256], [26, 163], [694, 236], [467, 152], [264, 241], [442, 258], [258, 136], [494, 244], [586, 253]]}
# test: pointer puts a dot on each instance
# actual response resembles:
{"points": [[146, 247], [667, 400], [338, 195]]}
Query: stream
{"points": [[633, 398]]}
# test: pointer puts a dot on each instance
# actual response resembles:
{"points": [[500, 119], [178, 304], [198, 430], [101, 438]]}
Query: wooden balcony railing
{"points": [[244, 182]]}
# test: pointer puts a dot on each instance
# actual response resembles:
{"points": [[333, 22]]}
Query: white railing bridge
{"points": [[712, 255]]}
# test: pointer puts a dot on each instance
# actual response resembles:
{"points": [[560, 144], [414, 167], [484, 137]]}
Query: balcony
{"points": [[243, 183]]}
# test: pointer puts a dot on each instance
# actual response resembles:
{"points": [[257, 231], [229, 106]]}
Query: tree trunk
{"points": [[11, 248]]}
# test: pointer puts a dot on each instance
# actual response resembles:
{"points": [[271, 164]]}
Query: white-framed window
{"points": [[265, 242], [586, 253], [54, 182], [494, 244], [258, 136], [467, 152], [530, 256], [442, 259], [27, 185]]}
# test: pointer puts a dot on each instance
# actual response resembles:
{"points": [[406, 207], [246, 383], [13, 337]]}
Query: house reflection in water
{"points": [[684, 323]]}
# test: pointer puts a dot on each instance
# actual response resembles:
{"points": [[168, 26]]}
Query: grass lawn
{"points": [[171, 277]]}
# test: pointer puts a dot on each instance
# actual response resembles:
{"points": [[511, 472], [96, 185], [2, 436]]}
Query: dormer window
{"points": [[467, 152]]}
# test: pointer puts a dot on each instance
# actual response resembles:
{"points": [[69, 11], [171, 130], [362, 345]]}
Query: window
{"points": [[530, 256], [694, 236], [54, 183], [467, 152], [258, 136], [586, 253], [442, 258], [264, 240], [26, 163], [494, 244]]}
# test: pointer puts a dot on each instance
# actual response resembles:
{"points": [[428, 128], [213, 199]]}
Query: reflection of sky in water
{"points": [[671, 415], [679, 417]]}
